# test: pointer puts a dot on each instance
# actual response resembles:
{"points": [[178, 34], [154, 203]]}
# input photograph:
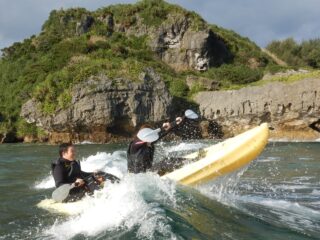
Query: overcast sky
{"points": [[260, 20]]}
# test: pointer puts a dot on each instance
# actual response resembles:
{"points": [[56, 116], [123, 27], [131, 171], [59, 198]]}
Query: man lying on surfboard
{"points": [[141, 150], [67, 172]]}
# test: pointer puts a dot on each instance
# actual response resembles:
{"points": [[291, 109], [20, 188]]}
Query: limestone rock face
{"points": [[292, 109], [184, 49], [84, 25], [177, 44], [102, 108]]}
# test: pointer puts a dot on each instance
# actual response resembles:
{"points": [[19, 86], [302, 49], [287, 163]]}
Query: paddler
{"points": [[140, 152], [66, 170]]}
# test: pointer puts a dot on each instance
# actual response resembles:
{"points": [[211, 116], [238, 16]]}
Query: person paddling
{"points": [[141, 150], [67, 171]]}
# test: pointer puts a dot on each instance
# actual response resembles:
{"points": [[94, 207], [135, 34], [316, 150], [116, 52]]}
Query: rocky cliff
{"points": [[177, 39], [182, 47], [102, 108], [98, 75], [291, 109]]}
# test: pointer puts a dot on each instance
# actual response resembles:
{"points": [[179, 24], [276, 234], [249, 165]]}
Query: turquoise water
{"points": [[276, 197]]}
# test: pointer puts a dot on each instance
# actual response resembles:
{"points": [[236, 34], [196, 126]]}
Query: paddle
{"points": [[62, 192], [151, 135]]}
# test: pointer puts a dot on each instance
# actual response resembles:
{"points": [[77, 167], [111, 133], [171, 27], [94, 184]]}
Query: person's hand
{"points": [[100, 179], [166, 126], [79, 182], [178, 120]]}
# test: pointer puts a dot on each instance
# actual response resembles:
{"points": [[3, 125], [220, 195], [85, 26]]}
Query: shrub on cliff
{"points": [[178, 88], [239, 74], [242, 48], [305, 54]]}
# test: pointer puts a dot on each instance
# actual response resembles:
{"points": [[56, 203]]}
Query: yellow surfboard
{"points": [[71, 208], [222, 158]]}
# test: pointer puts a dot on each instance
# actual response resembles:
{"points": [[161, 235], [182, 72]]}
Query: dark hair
{"points": [[147, 125], [64, 148]]}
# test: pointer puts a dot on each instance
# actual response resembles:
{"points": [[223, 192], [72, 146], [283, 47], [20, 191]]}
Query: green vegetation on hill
{"points": [[75, 44], [242, 48], [305, 54]]}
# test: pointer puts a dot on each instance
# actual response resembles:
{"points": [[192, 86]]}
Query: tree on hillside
{"points": [[305, 54]]}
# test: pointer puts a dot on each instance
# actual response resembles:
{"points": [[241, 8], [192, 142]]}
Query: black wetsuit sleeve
{"points": [[59, 175], [86, 174], [164, 133]]}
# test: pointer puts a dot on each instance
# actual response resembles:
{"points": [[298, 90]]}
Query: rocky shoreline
{"points": [[291, 109], [105, 111]]}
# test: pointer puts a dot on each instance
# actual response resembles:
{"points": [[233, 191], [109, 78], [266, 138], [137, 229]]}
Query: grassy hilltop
{"points": [[75, 44]]}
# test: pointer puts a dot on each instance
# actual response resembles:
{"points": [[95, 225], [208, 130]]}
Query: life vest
{"points": [[71, 169]]}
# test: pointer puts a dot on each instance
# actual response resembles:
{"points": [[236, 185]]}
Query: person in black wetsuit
{"points": [[67, 170], [140, 154]]}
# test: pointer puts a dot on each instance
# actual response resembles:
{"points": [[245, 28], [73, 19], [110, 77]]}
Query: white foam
{"points": [[292, 187], [292, 207], [85, 142], [185, 147], [131, 204], [315, 192], [114, 163], [269, 159], [224, 189], [45, 183], [281, 212]]}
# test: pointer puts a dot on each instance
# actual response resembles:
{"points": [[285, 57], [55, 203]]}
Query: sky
{"points": [[260, 20]]}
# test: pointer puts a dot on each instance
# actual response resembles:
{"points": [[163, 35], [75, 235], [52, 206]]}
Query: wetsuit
{"points": [[140, 158], [65, 172]]}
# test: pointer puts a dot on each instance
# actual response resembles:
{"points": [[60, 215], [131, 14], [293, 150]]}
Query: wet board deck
{"points": [[222, 158]]}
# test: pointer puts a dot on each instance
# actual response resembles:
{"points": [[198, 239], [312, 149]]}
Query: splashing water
{"points": [[276, 197], [122, 206]]}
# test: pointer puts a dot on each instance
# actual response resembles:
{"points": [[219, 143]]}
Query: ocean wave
{"points": [[132, 204]]}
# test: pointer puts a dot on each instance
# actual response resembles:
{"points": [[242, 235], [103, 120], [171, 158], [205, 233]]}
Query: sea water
{"points": [[276, 197]]}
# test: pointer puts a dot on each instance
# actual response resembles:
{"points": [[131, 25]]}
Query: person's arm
{"points": [[86, 174], [167, 127]]}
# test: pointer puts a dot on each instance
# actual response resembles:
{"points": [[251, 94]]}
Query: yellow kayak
{"points": [[222, 158], [215, 161]]}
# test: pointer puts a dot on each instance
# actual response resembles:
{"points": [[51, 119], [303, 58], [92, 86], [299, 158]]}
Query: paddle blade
{"points": [[191, 114], [62, 192], [148, 135]]}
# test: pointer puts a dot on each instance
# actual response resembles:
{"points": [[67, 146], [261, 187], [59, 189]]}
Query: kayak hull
{"points": [[223, 158]]}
